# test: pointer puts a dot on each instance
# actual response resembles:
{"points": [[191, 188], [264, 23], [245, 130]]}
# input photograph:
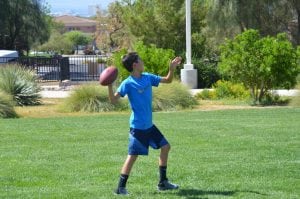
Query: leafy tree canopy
{"points": [[22, 23], [78, 38], [260, 63]]}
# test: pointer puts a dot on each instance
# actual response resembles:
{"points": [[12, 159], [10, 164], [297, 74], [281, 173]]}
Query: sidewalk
{"points": [[292, 92], [55, 94], [56, 91]]}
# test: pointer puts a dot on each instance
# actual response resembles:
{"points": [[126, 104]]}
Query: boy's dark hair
{"points": [[129, 59]]}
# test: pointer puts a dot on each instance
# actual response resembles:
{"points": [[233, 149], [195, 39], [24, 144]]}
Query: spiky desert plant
{"points": [[6, 106], [90, 98], [20, 83]]}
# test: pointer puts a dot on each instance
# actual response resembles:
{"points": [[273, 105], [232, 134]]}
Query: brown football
{"points": [[108, 76]]}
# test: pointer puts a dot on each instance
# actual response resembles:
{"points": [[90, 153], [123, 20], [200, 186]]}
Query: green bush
{"points": [[295, 101], [206, 94], [298, 78], [21, 84], [6, 106], [116, 60], [90, 98], [156, 60], [260, 63], [227, 89], [171, 97], [207, 72], [273, 99]]}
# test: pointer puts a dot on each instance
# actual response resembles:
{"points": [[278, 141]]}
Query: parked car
{"points": [[8, 56]]}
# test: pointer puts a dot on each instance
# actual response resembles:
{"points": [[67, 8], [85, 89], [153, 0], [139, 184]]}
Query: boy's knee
{"points": [[166, 148], [131, 158]]}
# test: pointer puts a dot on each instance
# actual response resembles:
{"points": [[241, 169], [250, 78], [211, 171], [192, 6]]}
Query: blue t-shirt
{"points": [[139, 92]]}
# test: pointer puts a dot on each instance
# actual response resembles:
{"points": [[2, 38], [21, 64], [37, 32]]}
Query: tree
{"points": [[22, 23], [162, 23], [221, 22], [259, 63], [112, 33], [78, 38], [226, 18], [296, 34], [57, 42]]}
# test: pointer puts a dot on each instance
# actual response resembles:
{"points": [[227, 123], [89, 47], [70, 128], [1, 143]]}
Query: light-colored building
{"points": [[77, 23]]}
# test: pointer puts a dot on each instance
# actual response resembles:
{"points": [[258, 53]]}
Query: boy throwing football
{"points": [[143, 133]]}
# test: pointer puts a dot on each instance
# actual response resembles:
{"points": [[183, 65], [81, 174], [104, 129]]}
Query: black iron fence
{"points": [[74, 68]]}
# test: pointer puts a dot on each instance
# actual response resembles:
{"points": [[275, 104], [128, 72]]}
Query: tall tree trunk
{"points": [[261, 94], [253, 95], [296, 5], [298, 33]]}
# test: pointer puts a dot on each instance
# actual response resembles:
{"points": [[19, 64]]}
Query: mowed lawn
{"points": [[252, 153]]}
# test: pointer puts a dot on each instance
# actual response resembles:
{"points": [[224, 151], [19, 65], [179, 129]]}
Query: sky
{"points": [[75, 7]]}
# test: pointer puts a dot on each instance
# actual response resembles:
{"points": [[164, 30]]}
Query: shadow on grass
{"points": [[195, 193], [203, 194]]}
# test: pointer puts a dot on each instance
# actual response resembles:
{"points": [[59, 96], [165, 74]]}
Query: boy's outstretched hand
{"points": [[175, 62]]}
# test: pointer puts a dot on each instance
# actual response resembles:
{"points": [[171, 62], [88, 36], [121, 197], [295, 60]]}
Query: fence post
{"points": [[64, 69]]}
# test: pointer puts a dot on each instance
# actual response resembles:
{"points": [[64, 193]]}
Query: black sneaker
{"points": [[166, 185], [121, 191]]}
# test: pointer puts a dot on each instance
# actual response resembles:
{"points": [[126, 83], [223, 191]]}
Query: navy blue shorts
{"points": [[140, 140]]}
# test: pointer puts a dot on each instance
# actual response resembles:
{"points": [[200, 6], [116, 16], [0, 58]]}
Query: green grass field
{"points": [[253, 153]]}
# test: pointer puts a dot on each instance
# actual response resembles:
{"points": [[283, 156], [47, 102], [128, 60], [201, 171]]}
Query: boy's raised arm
{"points": [[174, 63]]}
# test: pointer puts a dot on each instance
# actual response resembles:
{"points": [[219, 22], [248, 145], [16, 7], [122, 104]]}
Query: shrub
{"points": [[20, 83], [116, 60], [156, 60], [6, 106], [90, 98], [261, 64], [207, 72], [295, 101], [273, 99], [171, 97], [227, 89], [206, 94]]}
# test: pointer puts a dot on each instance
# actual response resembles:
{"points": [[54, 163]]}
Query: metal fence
{"points": [[74, 68]]}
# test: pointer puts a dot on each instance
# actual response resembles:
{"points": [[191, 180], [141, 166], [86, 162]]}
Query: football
{"points": [[108, 76]]}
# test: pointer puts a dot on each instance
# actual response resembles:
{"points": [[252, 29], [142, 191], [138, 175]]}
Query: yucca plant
{"points": [[6, 106], [171, 97], [20, 83], [90, 98]]}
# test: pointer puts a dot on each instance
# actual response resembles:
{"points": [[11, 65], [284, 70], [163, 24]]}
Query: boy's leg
{"points": [[127, 166], [163, 162], [164, 184], [159, 141], [164, 152]]}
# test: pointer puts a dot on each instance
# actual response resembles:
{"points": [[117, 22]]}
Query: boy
{"points": [[138, 88]]}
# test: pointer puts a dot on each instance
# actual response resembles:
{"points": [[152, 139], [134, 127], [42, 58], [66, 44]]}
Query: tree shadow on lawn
{"points": [[202, 194]]}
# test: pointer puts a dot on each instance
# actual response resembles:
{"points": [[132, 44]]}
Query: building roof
{"points": [[68, 20]]}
